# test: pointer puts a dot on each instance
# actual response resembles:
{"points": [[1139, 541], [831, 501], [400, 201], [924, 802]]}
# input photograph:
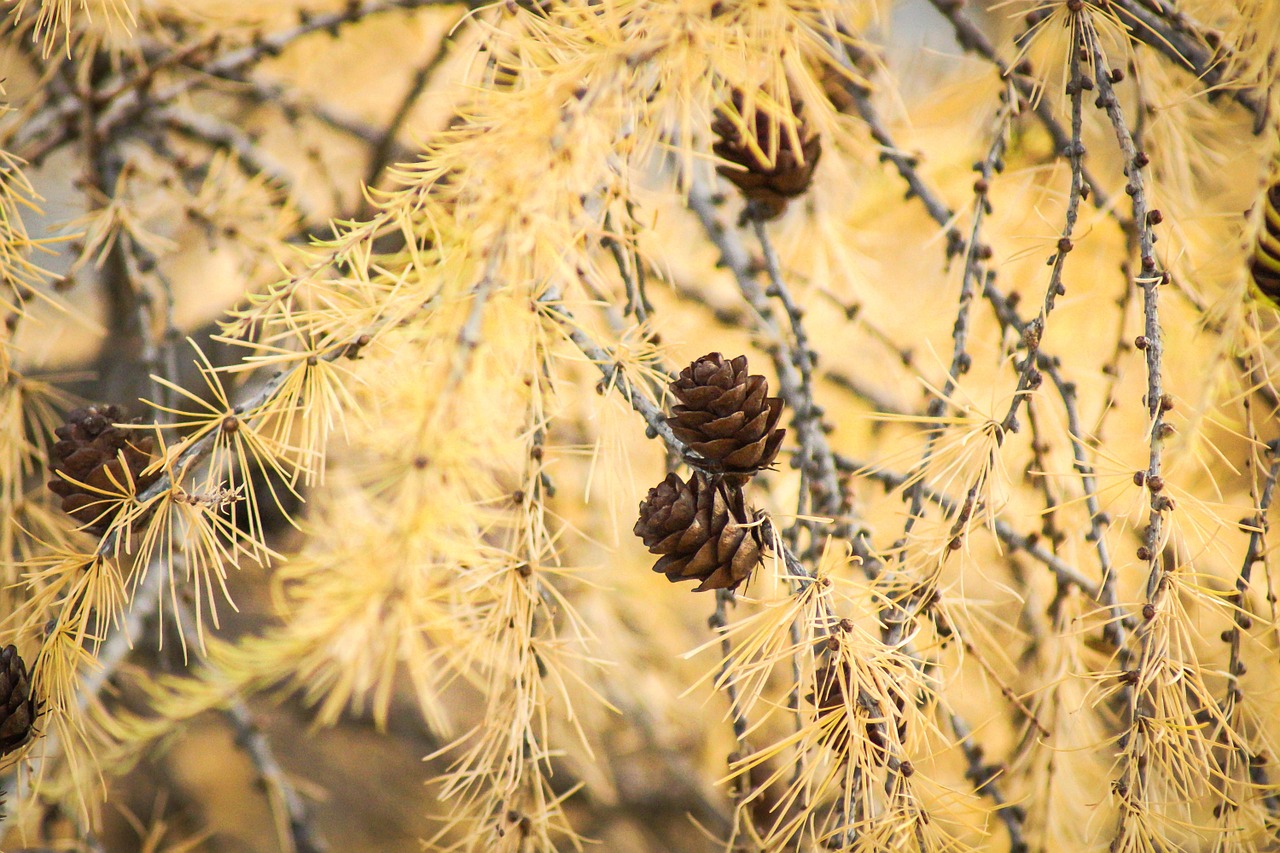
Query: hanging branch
{"points": [[970, 37], [1171, 32], [824, 483], [976, 254], [1046, 362], [1241, 622]]}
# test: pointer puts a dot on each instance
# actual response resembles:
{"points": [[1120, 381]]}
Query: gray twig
{"points": [[1133, 777], [1241, 621], [1169, 31], [1026, 543], [302, 833], [975, 254]]}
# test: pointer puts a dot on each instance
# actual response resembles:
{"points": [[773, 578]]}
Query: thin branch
{"points": [[717, 622], [303, 835], [970, 37], [1026, 543], [131, 102], [210, 131], [1029, 376], [975, 254], [385, 144], [1047, 363], [1133, 776], [983, 777], [199, 449], [1241, 621], [294, 106], [1170, 32]]}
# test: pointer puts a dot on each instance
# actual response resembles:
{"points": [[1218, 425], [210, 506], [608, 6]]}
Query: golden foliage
{"points": [[399, 354]]}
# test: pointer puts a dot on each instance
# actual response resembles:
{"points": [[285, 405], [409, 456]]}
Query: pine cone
{"points": [[766, 187], [700, 529], [726, 416], [1265, 267], [17, 710], [828, 696], [94, 452]]}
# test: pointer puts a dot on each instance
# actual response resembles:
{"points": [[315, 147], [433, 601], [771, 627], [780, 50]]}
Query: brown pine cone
{"points": [[831, 680], [94, 453], [1265, 268], [766, 187], [17, 709], [700, 529], [727, 417]]}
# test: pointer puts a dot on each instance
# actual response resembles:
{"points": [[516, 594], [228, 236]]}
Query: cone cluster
{"points": [[701, 528], [767, 187], [95, 460], [18, 710]]}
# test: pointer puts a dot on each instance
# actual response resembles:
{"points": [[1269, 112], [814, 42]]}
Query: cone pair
{"points": [[701, 527]]}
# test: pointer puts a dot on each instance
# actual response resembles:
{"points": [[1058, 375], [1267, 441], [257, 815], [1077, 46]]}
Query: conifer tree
{"points": [[375, 373]]}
